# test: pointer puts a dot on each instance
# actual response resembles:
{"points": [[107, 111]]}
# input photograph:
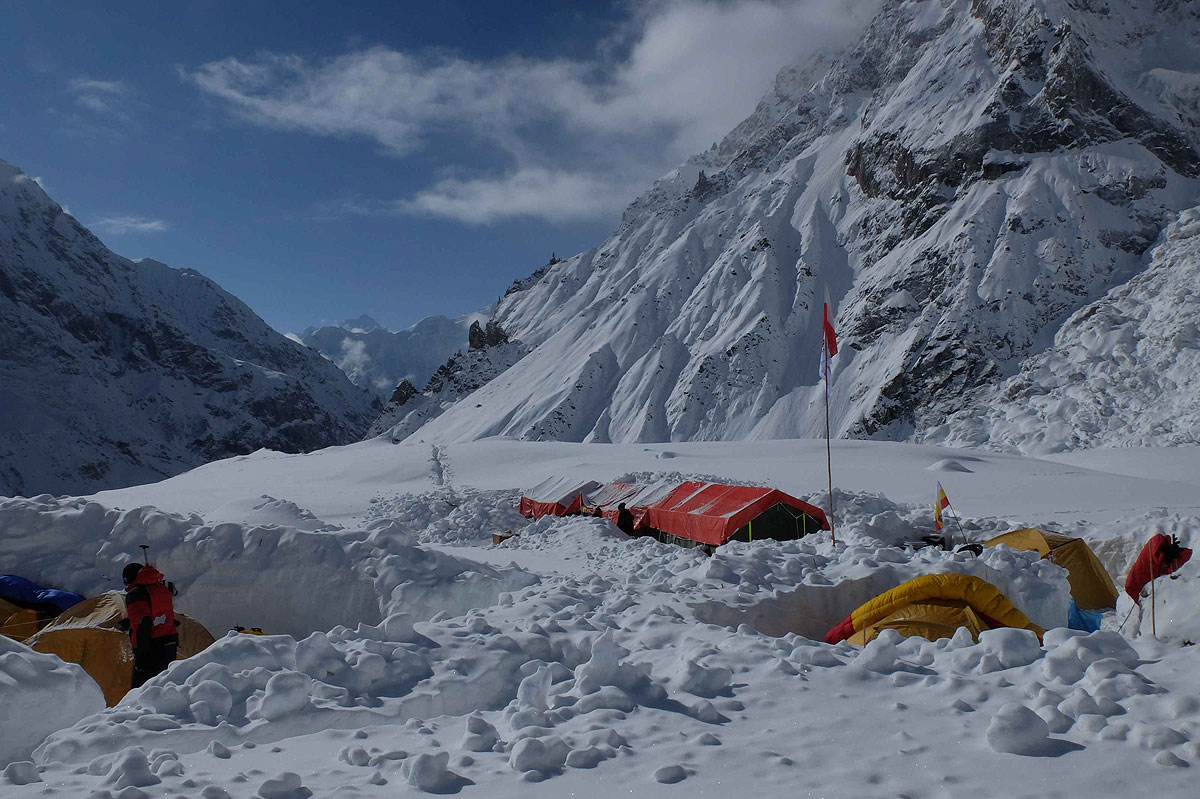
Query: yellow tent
{"points": [[18, 622], [1091, 587], [89, 634], [930, 619], [933, 607]]}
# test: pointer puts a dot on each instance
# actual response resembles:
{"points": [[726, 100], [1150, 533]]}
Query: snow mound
{"points": [[268, 510], [38, 694], [614, 660], [451, 515], [1018, 730], [278, 578], [948, 465]]}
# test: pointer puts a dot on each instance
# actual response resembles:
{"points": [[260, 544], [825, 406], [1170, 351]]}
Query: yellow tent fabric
{"points": [[1091, 586], [930, 619], [1028, 539], [981, 597], [18, 622], [89, 634]]}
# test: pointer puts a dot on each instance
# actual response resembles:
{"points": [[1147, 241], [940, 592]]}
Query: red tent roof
{"points": [[710, 513], [610, 494], [557, 496]]}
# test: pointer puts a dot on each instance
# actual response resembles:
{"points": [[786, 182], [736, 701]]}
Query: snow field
{"points": [[571, 659], [559, 679]]}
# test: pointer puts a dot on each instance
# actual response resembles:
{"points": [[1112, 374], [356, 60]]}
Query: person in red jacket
{"points": [[151, 614]]}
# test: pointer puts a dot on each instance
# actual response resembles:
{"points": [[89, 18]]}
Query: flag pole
{"points": [[828, 457], [957, 523], [1153, 626]]}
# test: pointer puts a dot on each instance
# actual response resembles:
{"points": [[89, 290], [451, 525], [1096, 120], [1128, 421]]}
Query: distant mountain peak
{"points": [[379, 359], [114, 372], [361, 324]]}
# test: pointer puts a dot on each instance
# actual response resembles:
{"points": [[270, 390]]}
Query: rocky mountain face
{"points": [[114, 372], [963, 180], [378, 359], [489, 354], [1123, 371]]}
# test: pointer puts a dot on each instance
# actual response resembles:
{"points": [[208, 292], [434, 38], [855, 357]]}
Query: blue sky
{"points": [[321, 160]]}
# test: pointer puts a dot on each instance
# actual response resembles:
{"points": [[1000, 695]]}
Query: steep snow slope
{"points": [[963, 179], [1123, 371], [377, 359], [114, 372]]}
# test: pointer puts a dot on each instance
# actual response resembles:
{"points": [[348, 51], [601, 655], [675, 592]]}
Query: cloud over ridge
{"points": [[572, 138], [119, 225]]}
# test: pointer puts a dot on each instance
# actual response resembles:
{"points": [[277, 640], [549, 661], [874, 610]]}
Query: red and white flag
{"points": [[827, 328], [828, 343]]}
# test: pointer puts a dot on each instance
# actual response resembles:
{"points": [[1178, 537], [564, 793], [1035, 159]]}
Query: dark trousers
{"points": [[151, 660]]}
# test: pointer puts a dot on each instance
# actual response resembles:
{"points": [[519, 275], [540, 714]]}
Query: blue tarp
{"points": [[1086, 620], [20, 591]]}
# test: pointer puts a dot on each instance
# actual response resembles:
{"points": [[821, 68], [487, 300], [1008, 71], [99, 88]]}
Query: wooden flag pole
{"points": [[828, 457]]}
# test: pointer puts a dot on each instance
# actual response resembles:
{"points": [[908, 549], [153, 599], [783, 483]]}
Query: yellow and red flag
{"points": [[942, 503]]}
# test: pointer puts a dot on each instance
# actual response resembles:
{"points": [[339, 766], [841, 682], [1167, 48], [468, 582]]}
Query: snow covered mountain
{"points": [[963, 179], [114, 372], [488, 356], [1123, 371], [378, 359]]}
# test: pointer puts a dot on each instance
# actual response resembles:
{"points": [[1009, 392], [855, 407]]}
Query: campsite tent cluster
{"points": [[692, 512], [83, 631], [934, 606], [89, 631]]}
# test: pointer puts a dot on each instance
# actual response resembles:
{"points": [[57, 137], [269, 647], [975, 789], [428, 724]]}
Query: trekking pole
{"points": [[145, 553], [1127, 615]]}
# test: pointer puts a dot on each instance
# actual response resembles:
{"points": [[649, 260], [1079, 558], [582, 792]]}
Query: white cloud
{"points": [[100, 96], [294, 337], [553, 195], [576, 137], [354, 360], [121, 225]]}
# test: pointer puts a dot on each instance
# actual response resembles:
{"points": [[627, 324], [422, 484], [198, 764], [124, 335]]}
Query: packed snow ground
{"points": [[414, 655]]}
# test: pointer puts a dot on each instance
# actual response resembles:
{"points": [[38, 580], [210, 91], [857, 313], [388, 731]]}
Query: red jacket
{"points": [[150, 609], [1160, 557]]}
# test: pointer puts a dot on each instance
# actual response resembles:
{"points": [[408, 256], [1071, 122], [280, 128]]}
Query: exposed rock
{"points": [[480, 337], [403, 393]]}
